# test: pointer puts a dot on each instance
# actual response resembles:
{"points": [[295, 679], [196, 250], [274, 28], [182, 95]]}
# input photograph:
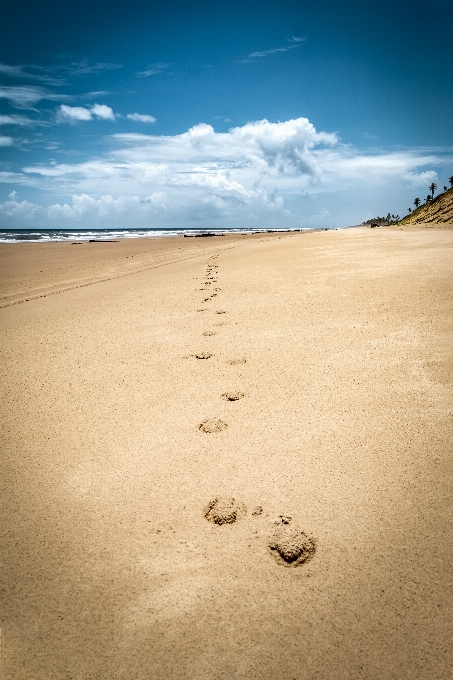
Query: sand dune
{"points": [[231, 459]]}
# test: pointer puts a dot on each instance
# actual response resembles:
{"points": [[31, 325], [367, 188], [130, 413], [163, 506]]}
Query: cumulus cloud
{"points": [[77, 113], [141, 118], [264, 172], [102, 111], [73, 113]]}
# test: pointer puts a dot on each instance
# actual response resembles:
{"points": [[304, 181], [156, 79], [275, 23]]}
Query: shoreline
{"points": [[84, 234]]}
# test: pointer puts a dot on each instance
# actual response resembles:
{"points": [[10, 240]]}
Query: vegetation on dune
{"points": [[436, 210]]}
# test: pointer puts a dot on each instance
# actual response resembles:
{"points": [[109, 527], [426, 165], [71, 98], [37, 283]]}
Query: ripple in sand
{"points": [[224, 511], [233, 396], [212, 425], [289, 545]]}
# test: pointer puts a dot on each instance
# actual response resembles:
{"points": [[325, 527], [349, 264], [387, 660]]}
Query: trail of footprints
{"points": [[287, 544]]}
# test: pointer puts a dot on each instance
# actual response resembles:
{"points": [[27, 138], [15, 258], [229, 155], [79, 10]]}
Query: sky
{"points": [[222, 114]]}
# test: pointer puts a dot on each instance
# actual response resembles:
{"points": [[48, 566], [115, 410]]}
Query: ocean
{"points": [[43, 235]]}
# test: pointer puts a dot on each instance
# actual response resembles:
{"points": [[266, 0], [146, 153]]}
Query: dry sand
{"points": [[338, 350]]}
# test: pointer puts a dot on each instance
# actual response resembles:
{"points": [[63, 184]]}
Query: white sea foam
{"points": [[36, 236]]}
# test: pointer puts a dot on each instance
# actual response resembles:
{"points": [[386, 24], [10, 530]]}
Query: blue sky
{"points": [[205, 113]]}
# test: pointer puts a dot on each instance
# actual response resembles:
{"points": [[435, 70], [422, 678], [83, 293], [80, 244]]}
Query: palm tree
{"points": [[417, 202], [428, 198], [432, 189], [450, 179]]}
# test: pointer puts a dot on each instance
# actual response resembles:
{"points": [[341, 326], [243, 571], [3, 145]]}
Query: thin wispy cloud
{"points": [[27, 96], [153, 69], [265, 53], [30, 72], [56, 75], [23, 121], [85, 68], [141, 118], [259, 54]]}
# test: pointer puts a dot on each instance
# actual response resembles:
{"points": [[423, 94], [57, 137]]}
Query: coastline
{"points": [[340, 343]]}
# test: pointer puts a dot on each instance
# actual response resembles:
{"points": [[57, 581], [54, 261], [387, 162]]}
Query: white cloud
{"points": [[141, 118], [73, 113], [283, 173], [422, 179], [77, 113], [102, 111], [6, 141]]}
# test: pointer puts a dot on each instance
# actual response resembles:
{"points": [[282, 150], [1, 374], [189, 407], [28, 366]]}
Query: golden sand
{"points": [[335, 460]]}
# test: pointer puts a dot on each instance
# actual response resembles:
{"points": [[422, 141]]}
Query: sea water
{"points": [[36, 235]]}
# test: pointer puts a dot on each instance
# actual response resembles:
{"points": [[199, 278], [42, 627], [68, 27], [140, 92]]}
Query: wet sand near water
{"points": [[232, 460]]}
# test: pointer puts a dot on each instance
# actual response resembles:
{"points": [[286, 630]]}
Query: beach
{"points": [[302, 380]]}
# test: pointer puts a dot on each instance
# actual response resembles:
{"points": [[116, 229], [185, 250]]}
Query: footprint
{"points": [[221, 312], [233, 396], [202, 310], [289, 545], [236, 362], [212, 425], [257, 511], [209, 333], [224, 511], [203, 355]]}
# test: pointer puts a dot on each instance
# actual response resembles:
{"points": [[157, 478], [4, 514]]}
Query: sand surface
{"points": [[341, 344]]}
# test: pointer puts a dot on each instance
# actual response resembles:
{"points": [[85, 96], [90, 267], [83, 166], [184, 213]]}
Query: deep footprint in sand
{"points": [[224, 511], [289, 545], [209, 333], [212, 425], [233, 396], [221, 311], [203, 355]]}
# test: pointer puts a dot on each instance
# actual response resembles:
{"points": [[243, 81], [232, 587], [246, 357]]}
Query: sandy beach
{"points": [[136, 545]]}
